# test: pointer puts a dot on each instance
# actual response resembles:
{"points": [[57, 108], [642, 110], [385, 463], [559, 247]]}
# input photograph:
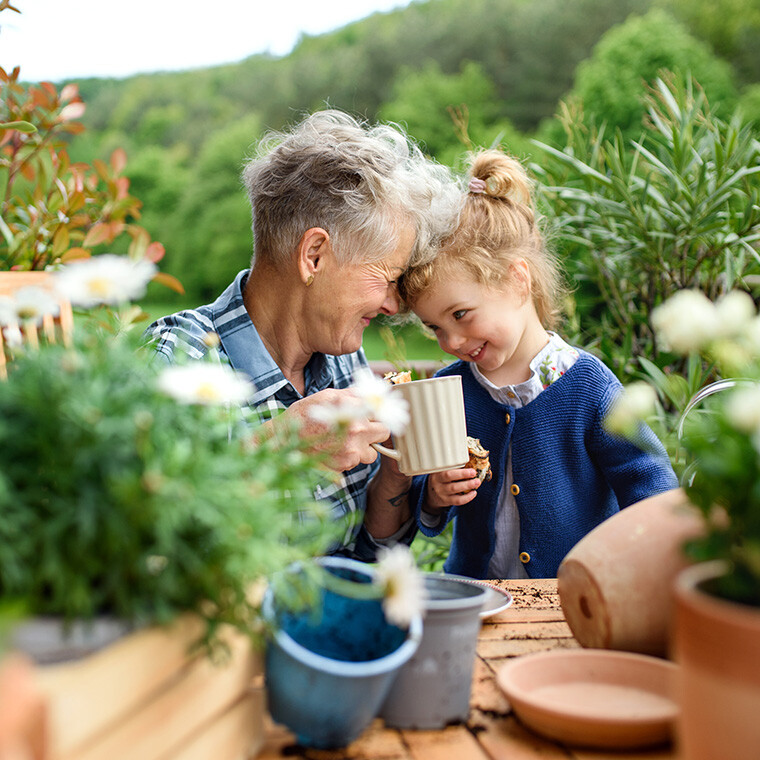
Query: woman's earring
{"points": [[309, 280]]}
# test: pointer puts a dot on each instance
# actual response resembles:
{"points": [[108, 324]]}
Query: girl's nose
{"points": [[454, 341]]}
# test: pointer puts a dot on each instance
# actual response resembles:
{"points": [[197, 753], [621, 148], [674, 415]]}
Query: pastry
{"points": [[478, 459], [394, 378]]}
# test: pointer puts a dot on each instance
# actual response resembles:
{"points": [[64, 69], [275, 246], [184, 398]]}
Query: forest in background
{"points": [[509, 63], [639, 118]]}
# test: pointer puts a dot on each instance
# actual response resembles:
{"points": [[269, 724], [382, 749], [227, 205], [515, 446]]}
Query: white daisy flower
{"points": [[206, 384], [32, 304], [734, 311], [381, 403], [339, 415], [12, 335], [632, 406], [106, 279], [7, 311], [686, 322], [743, 409], [403, 586]]}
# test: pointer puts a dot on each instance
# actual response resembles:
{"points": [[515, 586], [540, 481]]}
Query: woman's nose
{"points": [[392, 301]]}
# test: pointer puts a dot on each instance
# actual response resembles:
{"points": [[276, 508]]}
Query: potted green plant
{"points": [[716, 631], [135, 493]]}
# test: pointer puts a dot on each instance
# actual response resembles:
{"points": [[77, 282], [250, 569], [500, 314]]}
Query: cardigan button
{"points": [[515, 489], [508, 418], [524, 558]]}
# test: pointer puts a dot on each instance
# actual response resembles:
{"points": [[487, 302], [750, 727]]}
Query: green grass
{"points": [[410, 341]]}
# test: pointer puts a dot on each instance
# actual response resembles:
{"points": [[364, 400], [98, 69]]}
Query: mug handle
{"points": [[392, 453]]}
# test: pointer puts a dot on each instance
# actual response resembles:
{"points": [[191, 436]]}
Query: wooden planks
{"points": [[533, 623], [145, 698]]}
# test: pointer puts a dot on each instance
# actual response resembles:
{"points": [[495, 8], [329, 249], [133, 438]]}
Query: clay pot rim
{"points": [[689, 582]]}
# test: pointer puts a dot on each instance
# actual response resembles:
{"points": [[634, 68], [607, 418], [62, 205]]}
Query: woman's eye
{"points": [[459, 313]]}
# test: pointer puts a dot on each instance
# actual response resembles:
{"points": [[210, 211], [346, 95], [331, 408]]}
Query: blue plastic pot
{"points": [[328, 673]]}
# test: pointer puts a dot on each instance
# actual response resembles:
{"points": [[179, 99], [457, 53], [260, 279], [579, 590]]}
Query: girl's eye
{"points": [[459, 313]]}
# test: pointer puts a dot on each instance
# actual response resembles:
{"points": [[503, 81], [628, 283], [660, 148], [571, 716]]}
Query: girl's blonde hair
{"points": [[498, 225]]}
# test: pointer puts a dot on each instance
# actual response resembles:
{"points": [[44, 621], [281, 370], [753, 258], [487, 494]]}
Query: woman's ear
{"points": [[312, 249]]}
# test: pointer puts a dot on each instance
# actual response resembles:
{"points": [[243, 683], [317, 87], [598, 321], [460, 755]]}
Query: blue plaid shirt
{"points": [[242, 347]]}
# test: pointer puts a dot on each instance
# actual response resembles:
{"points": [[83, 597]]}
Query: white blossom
{"points": [[106, 279], [734, 312], [381, 403], [206, 384], [743, 409], [7, 311], [32, 304], [403, 586], [632, 406], [686, 322], [13, 336], [752, 333], [339, 415]]}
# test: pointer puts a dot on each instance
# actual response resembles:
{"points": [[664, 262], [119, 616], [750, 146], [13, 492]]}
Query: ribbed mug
{"points": [[436, 437]]}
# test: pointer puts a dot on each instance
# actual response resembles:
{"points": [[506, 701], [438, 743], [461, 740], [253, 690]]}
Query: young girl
{"points": [[536, 403]]}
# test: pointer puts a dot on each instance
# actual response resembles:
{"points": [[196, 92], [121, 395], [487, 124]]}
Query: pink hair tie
{"points": [[477, 185]]}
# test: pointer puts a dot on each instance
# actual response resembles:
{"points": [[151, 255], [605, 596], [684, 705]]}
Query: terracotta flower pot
{"points": [[615, 585], [717, 645]]}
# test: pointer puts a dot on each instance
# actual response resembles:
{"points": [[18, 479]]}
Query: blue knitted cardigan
{"points": [[571, 473]]}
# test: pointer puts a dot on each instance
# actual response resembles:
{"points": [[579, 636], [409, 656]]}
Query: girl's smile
{"points": [[495, 327]]}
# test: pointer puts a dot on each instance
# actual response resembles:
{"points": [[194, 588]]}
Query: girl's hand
{"points": [[451, 488]]}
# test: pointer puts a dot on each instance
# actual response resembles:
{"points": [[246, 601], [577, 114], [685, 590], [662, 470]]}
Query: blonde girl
{"points": [[491, 295]]}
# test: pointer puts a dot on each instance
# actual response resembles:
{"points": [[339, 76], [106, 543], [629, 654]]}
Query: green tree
{"points": [[730, 27], [609, 84], [210, 238], [426, 102]]}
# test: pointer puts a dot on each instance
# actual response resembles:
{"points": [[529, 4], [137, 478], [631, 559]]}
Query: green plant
{"points": [[53, 210], [721, 436], [678, 209], [119, 499]]}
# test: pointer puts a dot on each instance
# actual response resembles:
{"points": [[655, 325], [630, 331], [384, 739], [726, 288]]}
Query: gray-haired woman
{"points": [[340, 209]]}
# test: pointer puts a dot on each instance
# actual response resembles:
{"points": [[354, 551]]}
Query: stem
{"points": [[350, 589]]}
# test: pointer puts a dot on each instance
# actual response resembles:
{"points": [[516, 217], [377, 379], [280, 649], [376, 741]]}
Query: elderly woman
{"points": [[340, 209]]}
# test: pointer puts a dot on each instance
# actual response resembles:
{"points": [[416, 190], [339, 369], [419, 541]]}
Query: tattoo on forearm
{"points": [[398, 501]]}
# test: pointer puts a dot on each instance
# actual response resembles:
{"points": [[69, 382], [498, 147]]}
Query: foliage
{"points": [[527, 51], [720, 432], [54, 210], [117, 499], [448, 113], [730, 27], [678, 209], [609, 83], [210, 226]]}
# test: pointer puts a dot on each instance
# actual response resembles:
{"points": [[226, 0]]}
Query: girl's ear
{"points": [[519, 272]]}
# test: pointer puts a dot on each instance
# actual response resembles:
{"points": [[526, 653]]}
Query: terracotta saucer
{"points": [[593, 697]]}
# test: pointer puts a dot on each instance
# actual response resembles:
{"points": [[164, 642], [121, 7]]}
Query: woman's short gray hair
{"points": [[363, 184]]}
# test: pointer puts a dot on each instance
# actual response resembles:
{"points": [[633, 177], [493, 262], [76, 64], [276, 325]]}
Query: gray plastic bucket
{"points": [[433, 688]]}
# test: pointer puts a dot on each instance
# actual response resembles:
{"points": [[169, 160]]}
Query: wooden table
{"points": [[533, 623]]}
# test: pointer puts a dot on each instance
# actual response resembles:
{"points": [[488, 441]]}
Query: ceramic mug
{"points": [[436, 436]]}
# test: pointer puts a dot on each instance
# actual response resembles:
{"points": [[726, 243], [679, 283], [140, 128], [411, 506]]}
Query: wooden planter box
{"points": [[144, 698]]}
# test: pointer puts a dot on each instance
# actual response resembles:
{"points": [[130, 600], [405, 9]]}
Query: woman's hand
{"points": [[348, 445], [451, 488]]}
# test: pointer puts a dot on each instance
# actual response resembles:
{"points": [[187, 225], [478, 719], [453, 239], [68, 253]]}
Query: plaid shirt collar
{"points": [[246, 352]]}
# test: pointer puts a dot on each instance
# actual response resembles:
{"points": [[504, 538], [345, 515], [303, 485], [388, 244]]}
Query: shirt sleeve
{"points": [[634, 470]]}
